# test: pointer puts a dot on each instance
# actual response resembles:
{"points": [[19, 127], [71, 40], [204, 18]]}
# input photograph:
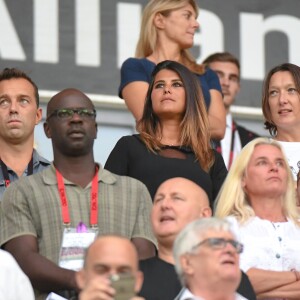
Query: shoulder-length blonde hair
{"points": [[148, 33], [232, 199], [194, 125]]}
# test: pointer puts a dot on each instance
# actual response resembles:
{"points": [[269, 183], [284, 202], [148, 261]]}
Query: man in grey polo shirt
{"points": [[74, 192]]}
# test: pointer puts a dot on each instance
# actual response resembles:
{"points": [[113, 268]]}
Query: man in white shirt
{"points": [[14, 284], [206, 255], [227, 68]]}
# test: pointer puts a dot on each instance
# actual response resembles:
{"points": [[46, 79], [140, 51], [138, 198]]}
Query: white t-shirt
{"points": [[14, 284], [226, 141], [187, 295], [269, 245], [292, 153]]}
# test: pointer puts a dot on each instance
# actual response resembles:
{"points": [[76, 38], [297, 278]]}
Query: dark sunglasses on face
{"points": [[68, 113], [220, 243]]}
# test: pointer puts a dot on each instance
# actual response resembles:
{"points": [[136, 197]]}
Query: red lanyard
{"points": [[64, 200]]}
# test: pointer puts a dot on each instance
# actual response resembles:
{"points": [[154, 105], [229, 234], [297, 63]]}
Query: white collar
{"points": [[187, 295], [229, 120]]}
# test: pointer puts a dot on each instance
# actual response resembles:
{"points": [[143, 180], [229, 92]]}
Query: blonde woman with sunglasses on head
{"points": [[167, 32]]}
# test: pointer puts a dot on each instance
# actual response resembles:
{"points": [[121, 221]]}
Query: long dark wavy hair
{"points": [[194, 125]]}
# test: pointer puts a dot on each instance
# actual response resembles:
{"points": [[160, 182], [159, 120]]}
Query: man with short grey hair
{"points": [[206, 255]]}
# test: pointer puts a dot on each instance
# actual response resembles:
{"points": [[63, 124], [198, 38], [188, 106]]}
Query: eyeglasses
{"points": [[68, 113], [220, 243]]}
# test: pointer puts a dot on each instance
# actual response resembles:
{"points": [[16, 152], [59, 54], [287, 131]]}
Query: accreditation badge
{"points": [[75, 241]]}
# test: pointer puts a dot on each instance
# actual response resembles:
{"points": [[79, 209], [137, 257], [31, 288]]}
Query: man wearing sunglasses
{"points": [[48, 219], [206, 255]]}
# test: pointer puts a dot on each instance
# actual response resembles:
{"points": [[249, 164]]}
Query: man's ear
{"points": [[139, 279], [158, 21], [186, 266], [80, 279], [206, 212], [47, 130], [96, 125], [39, 115]]}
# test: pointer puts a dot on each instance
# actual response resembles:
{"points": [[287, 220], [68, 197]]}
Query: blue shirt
{"points": [[140, 69], [39, 163]]}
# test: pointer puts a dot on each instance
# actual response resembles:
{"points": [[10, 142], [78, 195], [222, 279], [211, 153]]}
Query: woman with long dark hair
{"points": [[174, 139]]}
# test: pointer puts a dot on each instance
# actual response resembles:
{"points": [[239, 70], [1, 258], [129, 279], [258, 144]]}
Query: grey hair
{"points": [[193, 234]]}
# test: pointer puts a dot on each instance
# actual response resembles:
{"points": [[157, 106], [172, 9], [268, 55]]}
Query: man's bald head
{"points": [[186, 186], [110, 244], [66, 97], [71, 124], [177, 202], [109, 255]]}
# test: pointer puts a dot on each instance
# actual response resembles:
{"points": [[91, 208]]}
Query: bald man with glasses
{"points": [[49, 219]]}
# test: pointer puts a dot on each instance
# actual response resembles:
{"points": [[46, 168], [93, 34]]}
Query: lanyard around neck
{"points": [[64, 200], [5, 171]]}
